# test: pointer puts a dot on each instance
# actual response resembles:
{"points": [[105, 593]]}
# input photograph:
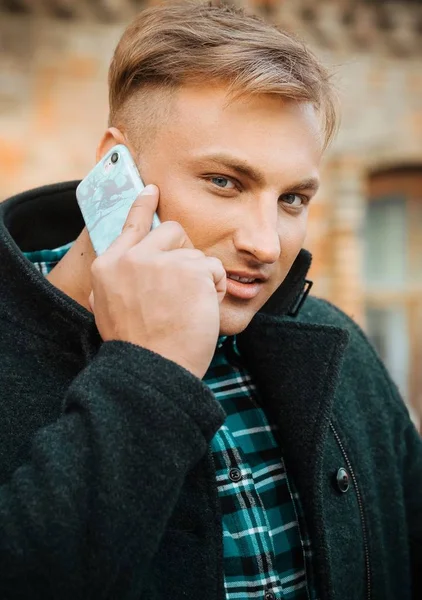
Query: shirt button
{"points": [[269, 596], [235, 475], [343, 480]]}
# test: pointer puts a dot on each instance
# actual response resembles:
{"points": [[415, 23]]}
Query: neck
{"points": [[72, 275]]}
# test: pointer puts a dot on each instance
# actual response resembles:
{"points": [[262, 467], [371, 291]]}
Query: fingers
{"points": [[207, 264], [139, 220], [186, 253], [219, 276], [170, 235]]}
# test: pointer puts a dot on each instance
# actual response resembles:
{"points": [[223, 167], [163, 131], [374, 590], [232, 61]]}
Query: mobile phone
{"points": [[106, 195]]}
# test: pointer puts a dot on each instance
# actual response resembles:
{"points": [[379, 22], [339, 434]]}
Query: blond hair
{"points": [[174, 44]]}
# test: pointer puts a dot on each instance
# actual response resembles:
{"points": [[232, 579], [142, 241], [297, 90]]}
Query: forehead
{"points": [[270, 131]]}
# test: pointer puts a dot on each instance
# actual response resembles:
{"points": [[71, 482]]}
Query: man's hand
{"points": [[154, 289]]}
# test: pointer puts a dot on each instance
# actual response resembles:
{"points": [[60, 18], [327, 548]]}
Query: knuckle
{"points": [[131, 226], [132, 259], [193, 254], [99, 266], [216, 262], [173, 227]]}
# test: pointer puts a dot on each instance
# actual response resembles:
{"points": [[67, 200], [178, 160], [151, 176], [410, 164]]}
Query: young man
{"points": [[172, 426]]}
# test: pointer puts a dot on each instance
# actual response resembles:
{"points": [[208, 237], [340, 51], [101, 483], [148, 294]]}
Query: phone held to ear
{"points": [[106, 195]]}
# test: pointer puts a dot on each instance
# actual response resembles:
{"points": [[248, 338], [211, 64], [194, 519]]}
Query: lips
{"points": [[242, 279], [241, 289]]}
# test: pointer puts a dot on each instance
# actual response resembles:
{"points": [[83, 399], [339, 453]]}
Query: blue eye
{"points": [[223, 182], [293, 200]]}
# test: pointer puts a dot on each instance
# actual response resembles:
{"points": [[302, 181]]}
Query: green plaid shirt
{"points": [[267, 552]]}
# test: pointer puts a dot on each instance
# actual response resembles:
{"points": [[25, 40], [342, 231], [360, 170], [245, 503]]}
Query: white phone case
{"points": [[106, 195]]}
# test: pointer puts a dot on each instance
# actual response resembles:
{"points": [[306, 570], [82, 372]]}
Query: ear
{"points": [[111, 137]]}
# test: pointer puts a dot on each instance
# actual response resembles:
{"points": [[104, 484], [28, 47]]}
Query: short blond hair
{"points": [[174, 44]]}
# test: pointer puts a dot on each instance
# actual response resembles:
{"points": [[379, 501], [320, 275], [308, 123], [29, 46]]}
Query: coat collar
{"points": [[289, 296]]}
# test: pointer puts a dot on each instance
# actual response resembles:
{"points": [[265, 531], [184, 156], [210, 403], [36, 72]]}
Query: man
{"points": [[173, 425]]}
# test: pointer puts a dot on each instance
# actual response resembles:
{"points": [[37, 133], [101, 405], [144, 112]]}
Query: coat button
{"points": [[343, 480], [269, 596], [235, 475]]}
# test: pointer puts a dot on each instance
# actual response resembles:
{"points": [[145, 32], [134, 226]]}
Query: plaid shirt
{"points": [[265, 555], [267, 552]]}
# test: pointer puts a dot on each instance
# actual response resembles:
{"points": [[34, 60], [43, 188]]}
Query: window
{"points": [[393, 276]]}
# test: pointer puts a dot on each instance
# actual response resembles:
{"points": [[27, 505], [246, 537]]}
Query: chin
{"points": [[234, 320]]}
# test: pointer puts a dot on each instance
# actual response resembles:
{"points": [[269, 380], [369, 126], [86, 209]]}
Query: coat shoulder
{"points": [[363, 368], [321, 312]]}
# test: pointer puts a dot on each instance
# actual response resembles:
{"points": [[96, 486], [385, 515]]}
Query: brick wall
{"points": [[53, 98]]}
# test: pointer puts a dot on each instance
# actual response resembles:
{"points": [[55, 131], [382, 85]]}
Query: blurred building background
{"points": [[366, 225]]}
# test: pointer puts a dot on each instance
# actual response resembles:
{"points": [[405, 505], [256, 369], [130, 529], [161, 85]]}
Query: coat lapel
{"points": [[296, 368]]}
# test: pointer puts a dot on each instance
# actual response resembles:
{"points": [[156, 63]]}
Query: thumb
{"points": [[139, 220]]}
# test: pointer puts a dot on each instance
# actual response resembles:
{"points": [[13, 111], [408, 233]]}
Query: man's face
{"points": [[238, 176]]}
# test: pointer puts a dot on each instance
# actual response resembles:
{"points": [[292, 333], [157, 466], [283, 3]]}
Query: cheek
{"points": [[292, 235], [180, 205], [182, 200], [175, 202]]}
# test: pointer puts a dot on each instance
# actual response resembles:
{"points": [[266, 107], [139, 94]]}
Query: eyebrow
{"points": [[311, 184], [243, 168]]}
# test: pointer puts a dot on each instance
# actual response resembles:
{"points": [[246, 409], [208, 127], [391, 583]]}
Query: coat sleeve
{"points": [[85, 515], [413, 498]]}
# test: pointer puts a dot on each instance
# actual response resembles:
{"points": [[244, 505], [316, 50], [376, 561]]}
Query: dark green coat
{"points": [[107, 489]]}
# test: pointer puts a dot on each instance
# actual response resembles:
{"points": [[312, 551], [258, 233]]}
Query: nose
{"points": [[258, 235]]}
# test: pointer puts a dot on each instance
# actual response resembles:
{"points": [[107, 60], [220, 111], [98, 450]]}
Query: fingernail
{"points": [[149, 190]]}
